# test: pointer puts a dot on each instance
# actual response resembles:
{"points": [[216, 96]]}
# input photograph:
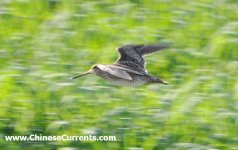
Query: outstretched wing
{"points": [[133, 53], [129, 53], [148, 49]]}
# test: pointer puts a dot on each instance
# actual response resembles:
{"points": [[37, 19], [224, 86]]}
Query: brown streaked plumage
{"points": [[129, 69]]}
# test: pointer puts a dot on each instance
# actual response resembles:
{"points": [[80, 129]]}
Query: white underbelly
{"points": [[124, 82]]}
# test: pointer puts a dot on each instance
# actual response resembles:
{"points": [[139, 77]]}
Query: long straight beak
{"points": [[86, 73]]}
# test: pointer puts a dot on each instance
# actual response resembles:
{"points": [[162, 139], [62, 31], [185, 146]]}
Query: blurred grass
{"points": [[44, 43]]}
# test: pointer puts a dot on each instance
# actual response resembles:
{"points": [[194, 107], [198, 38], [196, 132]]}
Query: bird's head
{"points": [[94, 69]]}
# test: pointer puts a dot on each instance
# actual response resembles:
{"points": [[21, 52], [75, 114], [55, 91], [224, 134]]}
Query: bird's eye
{"points": [[95, 67]]}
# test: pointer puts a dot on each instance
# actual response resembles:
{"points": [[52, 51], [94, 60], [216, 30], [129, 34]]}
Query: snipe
{"points": [[129, 69]]}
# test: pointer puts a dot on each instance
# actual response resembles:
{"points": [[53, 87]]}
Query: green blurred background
{"points": [[45, 42]]}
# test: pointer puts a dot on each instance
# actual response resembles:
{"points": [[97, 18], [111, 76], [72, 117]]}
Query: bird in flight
{"points": [[129, 69]]}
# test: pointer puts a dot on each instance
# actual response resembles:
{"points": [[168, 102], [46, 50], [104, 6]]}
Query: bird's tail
{"points": [[158, 81]]}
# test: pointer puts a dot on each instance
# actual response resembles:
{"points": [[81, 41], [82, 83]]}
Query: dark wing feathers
{"points": [[147, 49], [133, 53], [129, 53]]}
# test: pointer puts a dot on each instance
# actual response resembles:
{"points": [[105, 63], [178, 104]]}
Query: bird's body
{"points": [[124, 77], [129, 69]]}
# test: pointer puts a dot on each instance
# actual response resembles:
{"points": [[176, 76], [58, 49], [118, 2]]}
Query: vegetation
{"points": [[43, 43]]}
